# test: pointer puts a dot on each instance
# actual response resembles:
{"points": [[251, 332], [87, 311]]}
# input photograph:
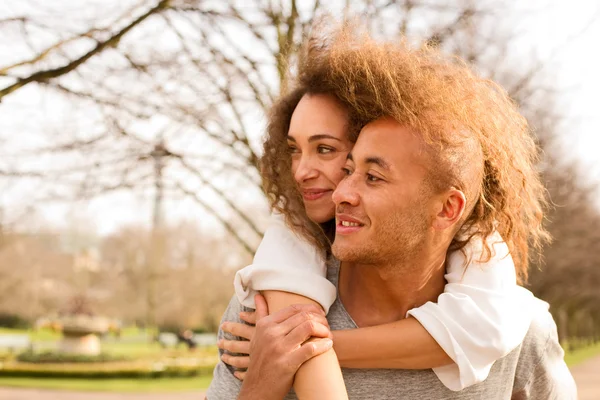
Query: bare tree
{"points": [[182, 84]]}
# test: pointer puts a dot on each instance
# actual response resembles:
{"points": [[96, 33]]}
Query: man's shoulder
{"points": [[224, 384], [541, 369], [542, 330]]}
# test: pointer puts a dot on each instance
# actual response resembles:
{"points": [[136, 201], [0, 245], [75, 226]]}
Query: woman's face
{"points": [[318, 143]]}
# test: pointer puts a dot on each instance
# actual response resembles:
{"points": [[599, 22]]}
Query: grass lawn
{"points": [[39, 335], [144, 350], [581, 354], [112, 385], [134, 348]]}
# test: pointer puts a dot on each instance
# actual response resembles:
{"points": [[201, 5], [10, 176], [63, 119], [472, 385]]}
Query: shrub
{"points": [[13, 321], [118, 370], [54, 357]]}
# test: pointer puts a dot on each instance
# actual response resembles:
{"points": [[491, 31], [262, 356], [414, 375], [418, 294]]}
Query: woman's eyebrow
{"points": [[323, 136]]}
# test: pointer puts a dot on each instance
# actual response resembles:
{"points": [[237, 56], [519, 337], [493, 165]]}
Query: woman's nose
{"points": [[305, 170]]}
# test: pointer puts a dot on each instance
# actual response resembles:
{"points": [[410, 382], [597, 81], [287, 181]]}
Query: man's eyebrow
{"points": [[378, 161]]}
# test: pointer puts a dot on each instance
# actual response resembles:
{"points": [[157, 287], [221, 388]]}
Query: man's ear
{"points": [[450, 210]]}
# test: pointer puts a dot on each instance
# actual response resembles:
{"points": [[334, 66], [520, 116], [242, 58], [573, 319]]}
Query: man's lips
{"points": [[346, 224], [314, 194]]}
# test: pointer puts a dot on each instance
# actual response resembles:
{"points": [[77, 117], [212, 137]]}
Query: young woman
{"points": [[478, 319]]}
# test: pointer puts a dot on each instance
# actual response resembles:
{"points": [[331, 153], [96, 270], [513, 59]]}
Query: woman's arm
{"points": [[321, 376], [403, 344], [481, 316]]}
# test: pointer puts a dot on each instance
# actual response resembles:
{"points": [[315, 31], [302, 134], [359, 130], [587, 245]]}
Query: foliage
{"points": [[113, 370], [581, 354], [13, 321], [48, 357], [112, 385]]}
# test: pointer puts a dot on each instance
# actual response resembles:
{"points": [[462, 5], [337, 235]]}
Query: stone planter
{"points": [[80, 334]]}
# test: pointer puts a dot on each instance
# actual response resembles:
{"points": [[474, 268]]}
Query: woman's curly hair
{"points": [[481, 143], [277, 177]]}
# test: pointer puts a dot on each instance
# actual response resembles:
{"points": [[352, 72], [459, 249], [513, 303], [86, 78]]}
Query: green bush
{"points": [[104, 371], [13, 321], [54, 357]]}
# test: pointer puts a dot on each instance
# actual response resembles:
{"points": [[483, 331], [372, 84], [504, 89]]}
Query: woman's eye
{"points": [[372, 178], [347, 171], [292, 149], [324, 150]]}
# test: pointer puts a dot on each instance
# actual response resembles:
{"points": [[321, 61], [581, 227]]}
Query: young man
{"points": [[443, 157]]}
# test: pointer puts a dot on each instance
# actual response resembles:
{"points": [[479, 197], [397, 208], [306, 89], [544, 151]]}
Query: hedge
{"points": [[52, 357], [137, 370]]}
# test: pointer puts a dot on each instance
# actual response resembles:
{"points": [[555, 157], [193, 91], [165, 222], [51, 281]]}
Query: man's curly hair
{"points": [[450, 107]]}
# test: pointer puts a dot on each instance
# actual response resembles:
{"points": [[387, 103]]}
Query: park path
{"points": [[47, 394], [587, 377]]}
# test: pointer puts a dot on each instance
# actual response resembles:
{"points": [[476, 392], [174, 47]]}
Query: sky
{"points": [[572, 27], [576, 24]]}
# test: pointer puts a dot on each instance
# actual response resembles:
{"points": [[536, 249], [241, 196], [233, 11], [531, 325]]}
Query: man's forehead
{"points": [[389, 141]]}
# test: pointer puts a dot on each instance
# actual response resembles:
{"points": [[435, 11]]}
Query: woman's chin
{"points": [[321, 216]]}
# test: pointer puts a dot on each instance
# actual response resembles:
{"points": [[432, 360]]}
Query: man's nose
{"points": [[346, 192], [306, 170]]}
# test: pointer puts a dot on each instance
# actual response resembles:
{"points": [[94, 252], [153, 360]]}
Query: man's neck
{"points": [[379, 294]]}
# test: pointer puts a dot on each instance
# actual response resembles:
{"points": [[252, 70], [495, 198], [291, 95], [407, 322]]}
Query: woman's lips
{"points": [[314, 194]]}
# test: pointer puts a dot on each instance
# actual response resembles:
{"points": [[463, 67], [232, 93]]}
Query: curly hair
{"points": [[481, 143], [278, 181]]}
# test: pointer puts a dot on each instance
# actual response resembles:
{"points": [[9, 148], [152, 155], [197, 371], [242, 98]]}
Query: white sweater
{"points": [[481, 316]]}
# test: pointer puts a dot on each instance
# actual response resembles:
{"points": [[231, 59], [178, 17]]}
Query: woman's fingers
{"points": [[249, 317], [236, 361], [234, 346], [238, 329]]}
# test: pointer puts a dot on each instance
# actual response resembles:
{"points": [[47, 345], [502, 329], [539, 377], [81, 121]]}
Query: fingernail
{"points": [[327, 343]]}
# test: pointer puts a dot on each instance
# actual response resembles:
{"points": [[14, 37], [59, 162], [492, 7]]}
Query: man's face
{"points": [[383, 205]]}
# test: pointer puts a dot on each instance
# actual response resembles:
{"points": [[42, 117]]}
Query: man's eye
{"points": [[372, 178], [324, 150]]}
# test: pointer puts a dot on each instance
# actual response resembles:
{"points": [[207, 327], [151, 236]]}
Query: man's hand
{"points": [[279, 346]]}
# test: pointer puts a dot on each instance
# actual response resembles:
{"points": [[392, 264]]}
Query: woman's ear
{"points": [[451, 209]]}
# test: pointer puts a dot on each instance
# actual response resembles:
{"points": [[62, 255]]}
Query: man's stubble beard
{"points": [[396, 240]]}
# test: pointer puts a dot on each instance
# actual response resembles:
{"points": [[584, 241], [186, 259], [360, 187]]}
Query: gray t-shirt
{"points": [[534, 370]]}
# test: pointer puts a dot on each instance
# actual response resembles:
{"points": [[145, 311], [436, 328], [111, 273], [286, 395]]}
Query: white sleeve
{"points": [[481, 316], [286, 262]]}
